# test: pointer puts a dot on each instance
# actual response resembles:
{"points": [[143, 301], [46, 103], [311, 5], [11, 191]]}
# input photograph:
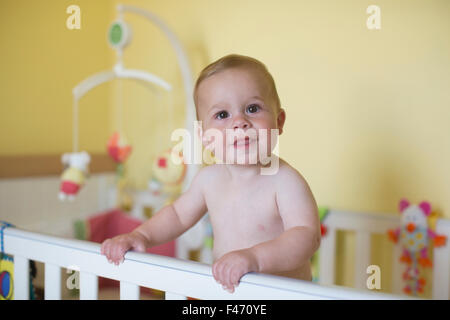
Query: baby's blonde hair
{"points": [[238, 61]]}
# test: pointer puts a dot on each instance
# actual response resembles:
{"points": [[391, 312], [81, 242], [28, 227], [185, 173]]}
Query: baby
{"points": [[266, 223]]}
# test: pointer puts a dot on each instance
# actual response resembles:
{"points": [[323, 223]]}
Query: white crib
{"points": [[176, 277], [364, 225], [181, 278]]}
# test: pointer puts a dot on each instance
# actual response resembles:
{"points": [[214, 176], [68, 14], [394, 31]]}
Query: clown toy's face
{"points": [[413, 217]]}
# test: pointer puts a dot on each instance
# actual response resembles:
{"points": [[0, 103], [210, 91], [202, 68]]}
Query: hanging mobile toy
{"points": [[415, 236], [167, 175], [74, 175], [118, 148], [76, 163]]}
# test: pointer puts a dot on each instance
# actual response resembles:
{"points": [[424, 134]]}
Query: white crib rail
{"points": [[178, 278], [366, 224]]}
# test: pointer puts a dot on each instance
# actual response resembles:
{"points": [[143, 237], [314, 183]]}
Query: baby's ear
{"points": [[280, 120]]}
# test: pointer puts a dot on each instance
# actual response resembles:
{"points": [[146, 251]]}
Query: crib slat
{"points": [[129, 291], [396, 270], [362, 258], [52, 282], [441, 265], [327, 255], [174, 296], [88, 286], [21, 278]]}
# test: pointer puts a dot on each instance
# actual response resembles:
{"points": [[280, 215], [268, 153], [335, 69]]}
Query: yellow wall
{"points": [[368, 111], [41, 61]]}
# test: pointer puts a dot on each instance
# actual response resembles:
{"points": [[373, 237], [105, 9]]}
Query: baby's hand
{"points": [[229, 269], [114, 249]]}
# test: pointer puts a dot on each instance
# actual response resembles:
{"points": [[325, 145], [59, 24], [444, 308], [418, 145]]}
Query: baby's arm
{"points": [[292, 249], [301, 238], [166, 225]]}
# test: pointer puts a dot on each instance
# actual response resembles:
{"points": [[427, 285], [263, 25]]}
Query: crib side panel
{"points": [[175, 276], [441, 263]]}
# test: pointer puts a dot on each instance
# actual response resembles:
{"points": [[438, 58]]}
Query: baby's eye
{"points": [[252, 108], [221, 115]]}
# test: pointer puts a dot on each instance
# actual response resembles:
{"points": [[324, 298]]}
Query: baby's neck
{"points": [[246, 171]]}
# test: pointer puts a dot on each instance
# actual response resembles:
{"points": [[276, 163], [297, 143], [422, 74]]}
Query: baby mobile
{"points": [[76, 162], [416, 236]]}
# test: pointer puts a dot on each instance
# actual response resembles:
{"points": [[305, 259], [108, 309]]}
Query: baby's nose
{"points": [[241, 126], [241, 123]]}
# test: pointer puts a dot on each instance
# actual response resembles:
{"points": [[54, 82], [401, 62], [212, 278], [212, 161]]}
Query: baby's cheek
{"points": [[273, 136], [267, 141]]}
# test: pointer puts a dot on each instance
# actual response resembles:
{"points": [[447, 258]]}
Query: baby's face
{"points": [[237, 102]]}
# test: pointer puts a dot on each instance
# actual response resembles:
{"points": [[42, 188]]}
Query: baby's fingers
{"points": [[221, 273], [102, 248], [106, 249], [235, 276], [228, 279], [215, 271], [118, 252]]}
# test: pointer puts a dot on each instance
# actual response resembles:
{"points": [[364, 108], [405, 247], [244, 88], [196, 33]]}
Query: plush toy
{"points": [[415, 236], [7, 278], [323, 212], [118, 148], [167, 174], [74, 175], [7, 270]]}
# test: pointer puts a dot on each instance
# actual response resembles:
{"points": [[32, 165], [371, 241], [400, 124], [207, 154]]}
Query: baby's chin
{"points": [[243, 155]]}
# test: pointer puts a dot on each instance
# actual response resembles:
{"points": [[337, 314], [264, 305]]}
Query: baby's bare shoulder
{"points": [[203, 179], [213, 169], [288, 177], [208, 174], [294, 196], [285, 169]]}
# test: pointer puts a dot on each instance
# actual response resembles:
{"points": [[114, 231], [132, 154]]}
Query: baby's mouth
{"points": [[242, 143]]}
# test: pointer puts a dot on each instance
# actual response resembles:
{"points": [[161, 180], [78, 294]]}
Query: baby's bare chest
{"points": [[244, 213]]}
